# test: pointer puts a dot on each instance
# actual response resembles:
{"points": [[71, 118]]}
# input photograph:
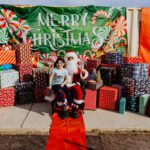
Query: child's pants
{"points": [[62, 91]]}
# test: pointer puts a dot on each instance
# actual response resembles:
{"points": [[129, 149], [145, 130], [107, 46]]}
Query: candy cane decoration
{"points": [[53, 58], [99, 13], [83, 57], [124, 39], [61, 51], [88, 51]]}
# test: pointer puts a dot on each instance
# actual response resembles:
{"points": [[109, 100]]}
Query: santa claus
{"points": [[78, 76]]}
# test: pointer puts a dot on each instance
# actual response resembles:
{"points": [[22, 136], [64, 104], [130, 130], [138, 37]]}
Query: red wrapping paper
{"points": [[23, 53], [40, 94], [7, 97], [108, 98], [93, 63], [132, 60], [25, 72], [90, 99]]}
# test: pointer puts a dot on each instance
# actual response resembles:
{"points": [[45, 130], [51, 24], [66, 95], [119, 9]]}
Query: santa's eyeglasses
{"points": [[70, 58]]}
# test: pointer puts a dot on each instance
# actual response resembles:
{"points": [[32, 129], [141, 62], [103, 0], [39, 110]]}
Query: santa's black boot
{"points": [[74, 113]]}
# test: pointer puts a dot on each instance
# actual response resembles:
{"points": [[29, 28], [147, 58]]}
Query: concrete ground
{"points": [[28, 126], [38, 116]]}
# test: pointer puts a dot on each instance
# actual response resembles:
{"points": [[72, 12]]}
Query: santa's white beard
{"points": [[71, 66]]}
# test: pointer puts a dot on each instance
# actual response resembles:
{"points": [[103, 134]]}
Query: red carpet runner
{"points": [[68, 134]]}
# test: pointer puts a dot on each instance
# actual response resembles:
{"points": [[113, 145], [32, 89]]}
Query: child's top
{"points": [[59, 76]]}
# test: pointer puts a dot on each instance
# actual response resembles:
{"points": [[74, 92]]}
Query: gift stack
{"points": [[24, 64], [41, 79], [133, 89], [8, 76], [110, 75], [110, 72], [92, 94], [24, 92], [136, 71], [108, 97]]}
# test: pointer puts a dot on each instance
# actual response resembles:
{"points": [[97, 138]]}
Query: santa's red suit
{"points": [[77, 72]]}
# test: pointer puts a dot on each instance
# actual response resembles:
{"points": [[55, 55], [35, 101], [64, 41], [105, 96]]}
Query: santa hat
{"points": [[71, 53]]}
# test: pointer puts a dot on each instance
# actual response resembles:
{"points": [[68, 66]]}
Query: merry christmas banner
{"points": [[90, 30]]}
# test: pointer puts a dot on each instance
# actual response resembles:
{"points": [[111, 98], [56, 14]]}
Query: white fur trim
{"points": [[78, 101], [86, 74], [72, 54], [61, 103], [49, 98]]}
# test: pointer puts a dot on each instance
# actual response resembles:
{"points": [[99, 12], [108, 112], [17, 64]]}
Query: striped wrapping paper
{"points": [[7, 97], [25, 72], [7, 57], [114, 58], [40, 78], [23, 53], [134, 70], [8, 78], [133, 60], [24, 97]]}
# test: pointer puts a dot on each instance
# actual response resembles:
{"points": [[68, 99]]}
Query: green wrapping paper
{"points": [[143, 103]]}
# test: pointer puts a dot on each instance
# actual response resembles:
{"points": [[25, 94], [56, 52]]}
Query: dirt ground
{"points": [[98, 141]]}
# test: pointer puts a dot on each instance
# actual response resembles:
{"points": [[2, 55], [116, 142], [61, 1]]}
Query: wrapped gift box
{"points": [[109, 75], [114, 58], [24, 97], [40, 94], [90, 99], [135, 87], [25, 72], [93, 63], [40, 78], [132, 104], [108, 97], [23, 53], [134, 60], [122, 105], [8, 78], [7, 57], [7, 97], [24, 86], [134, 70], [143, 101], [94, 85]]}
